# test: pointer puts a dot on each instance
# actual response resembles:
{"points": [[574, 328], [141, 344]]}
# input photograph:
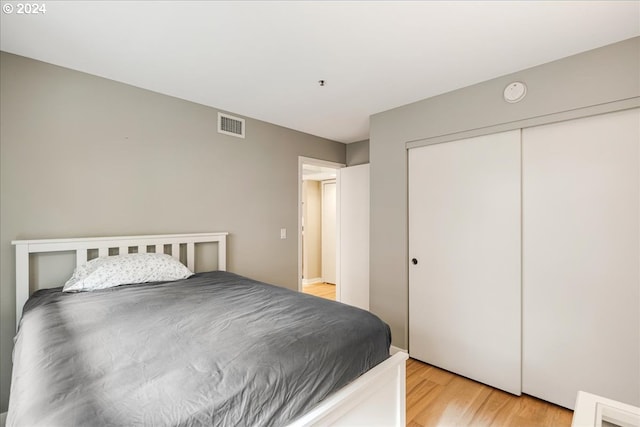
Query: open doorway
{"points": [[317, 228]]}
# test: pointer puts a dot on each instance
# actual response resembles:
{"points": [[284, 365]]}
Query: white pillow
{"points": [[107, 272]]}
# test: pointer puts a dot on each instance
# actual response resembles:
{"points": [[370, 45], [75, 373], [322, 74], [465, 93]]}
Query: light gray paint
{"points": [[86, 156], [594, 78], [358, 153]]}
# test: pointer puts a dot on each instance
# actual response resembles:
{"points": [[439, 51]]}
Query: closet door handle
{"points": [[414, 261]]}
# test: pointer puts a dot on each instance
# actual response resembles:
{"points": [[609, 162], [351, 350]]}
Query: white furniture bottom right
{"points": [[597, 411]]}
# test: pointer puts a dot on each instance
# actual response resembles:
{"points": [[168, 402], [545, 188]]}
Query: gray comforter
{"points": [[214, 349]]}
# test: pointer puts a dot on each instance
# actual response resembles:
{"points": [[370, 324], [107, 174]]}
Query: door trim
{"points": [[302, 160], [545, 119]]}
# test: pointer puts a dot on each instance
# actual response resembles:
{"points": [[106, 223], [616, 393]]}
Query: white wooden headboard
{"points": [[103, 245]]}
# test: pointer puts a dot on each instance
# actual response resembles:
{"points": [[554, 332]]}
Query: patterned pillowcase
{"points": [[107, 272]]}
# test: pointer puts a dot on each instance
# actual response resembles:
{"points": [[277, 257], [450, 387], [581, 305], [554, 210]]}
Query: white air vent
{"points": [[230, 125]]}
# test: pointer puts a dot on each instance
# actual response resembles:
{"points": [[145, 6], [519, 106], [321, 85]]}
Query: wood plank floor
{"points": [[323, 290], [438, 398]]}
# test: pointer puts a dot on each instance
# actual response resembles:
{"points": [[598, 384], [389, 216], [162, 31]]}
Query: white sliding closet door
{"points": [[581, 252], [464, 233]]}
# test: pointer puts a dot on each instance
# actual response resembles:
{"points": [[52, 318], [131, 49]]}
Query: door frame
{"points": [[315, 162]]}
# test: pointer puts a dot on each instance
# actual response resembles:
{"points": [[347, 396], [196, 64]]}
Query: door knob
{"points": [[414, 261]]}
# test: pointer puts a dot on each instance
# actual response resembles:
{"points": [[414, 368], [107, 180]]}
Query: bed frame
{"points": [[377, 398], [106, 246]]}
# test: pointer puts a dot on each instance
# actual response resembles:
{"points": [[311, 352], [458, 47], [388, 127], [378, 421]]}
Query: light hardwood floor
{"points": [[438, 398], [323, 290]]}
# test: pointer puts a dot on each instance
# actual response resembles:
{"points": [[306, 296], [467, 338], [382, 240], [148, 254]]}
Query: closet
{"points": [[524, 250]]}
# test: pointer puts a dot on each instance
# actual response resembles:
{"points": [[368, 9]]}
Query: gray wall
{"points": [[358, 153], [591, 81], [86, 156]]}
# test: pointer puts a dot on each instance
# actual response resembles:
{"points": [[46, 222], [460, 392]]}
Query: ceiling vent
{"points": [[229, 125]]}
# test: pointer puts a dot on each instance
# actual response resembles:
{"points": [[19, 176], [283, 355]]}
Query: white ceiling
{"points": [[263, 59], [317, 173]]}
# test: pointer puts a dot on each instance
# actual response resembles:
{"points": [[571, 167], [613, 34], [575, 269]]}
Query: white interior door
{"points": [[353, 208], [464, 233], [581, 251], [329, 231]]}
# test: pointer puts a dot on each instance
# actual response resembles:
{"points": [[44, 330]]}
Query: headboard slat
{"points": [[191, 257], [81, 246], [81, 256]]}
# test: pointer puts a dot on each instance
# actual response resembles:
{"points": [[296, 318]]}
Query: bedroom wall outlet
{"points": [[283, 233]]}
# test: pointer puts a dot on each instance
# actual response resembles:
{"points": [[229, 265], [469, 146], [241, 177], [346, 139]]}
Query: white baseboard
{"points": [[311, 281], [393, 350]]}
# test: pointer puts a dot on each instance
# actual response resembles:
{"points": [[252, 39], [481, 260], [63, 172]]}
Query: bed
{"points": [[214, 348]]}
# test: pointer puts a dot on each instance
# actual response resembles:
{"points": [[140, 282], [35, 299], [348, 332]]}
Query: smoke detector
{"points": [[515, 92]]}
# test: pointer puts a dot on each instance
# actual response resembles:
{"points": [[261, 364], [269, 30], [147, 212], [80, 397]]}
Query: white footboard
{"points": [[377, 398]]}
